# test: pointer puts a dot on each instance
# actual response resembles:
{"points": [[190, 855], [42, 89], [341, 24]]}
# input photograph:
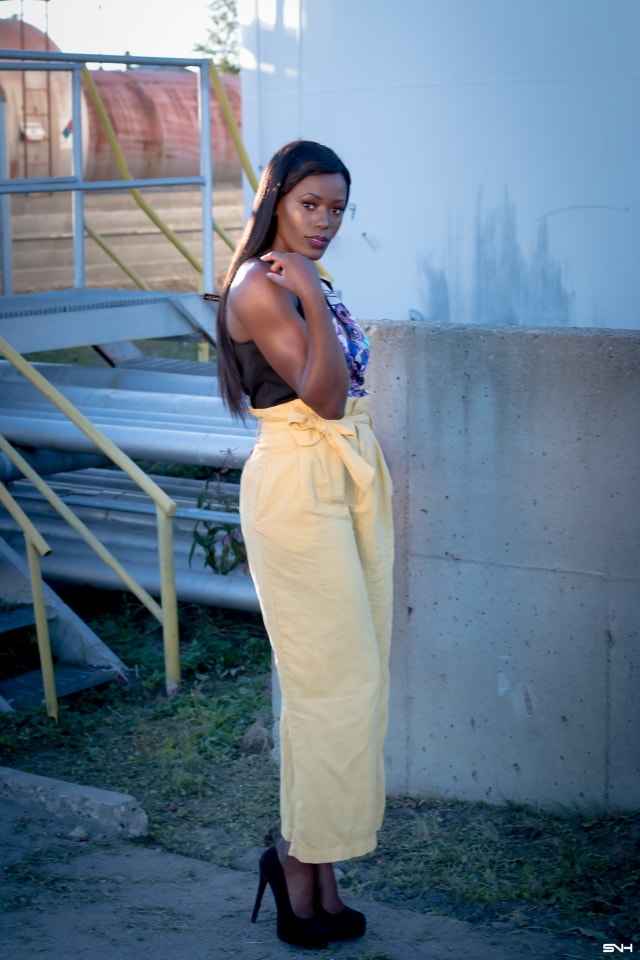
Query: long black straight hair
{"points": [[291, 164]]}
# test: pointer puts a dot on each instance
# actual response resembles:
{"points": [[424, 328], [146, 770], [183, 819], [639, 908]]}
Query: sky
{"points": [[162, 28]]}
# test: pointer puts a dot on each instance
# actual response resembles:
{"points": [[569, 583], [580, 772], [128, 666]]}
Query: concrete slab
{"points": [[109, 813]]}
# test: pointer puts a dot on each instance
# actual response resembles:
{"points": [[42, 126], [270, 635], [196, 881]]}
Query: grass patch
{"points": [[482, 862], [211, 793]]}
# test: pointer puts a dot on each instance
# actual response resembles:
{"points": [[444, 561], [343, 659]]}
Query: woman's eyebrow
{"points": [[316, 196]]}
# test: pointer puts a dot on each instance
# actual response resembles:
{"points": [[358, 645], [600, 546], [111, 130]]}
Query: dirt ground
{"points": [[104, 899]]}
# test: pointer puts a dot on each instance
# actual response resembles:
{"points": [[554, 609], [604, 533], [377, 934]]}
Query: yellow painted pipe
{"points": [[222, 233], [121, 162], [42, 631], [232, 126], [170, 631]]}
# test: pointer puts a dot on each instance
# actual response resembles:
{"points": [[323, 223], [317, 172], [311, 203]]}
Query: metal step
{"points": [[27, 690], [22, 615], [76, 317], [72, 641]]}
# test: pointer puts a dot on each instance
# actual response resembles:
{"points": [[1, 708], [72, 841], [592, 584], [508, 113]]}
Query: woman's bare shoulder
{"points": [[248, 294], [251, 277], [252, 289]]}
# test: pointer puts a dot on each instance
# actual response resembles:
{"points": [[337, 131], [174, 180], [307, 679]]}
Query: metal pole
{"points": [[42, 631], [5, 207], [25, 161], [49, 107], [78, 195], [169, 601], [206, 172]]}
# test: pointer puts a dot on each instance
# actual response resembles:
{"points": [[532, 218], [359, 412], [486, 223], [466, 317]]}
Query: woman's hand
{"points": [[294, 273]]}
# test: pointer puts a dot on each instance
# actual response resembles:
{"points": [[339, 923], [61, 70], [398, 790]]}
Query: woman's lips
{"points": [[318, 243]]}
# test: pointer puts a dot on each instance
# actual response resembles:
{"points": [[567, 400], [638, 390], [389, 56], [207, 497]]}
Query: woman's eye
{"points": [[308, 205], [338, 211]]}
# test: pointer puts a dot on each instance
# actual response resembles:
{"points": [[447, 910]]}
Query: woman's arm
{"points": [[306, 353]]}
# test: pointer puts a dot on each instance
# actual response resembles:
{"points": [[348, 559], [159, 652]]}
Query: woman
{"points": [[316, 520]]}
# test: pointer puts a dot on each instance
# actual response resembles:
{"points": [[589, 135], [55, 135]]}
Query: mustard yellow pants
{"points": [[315, 504]]}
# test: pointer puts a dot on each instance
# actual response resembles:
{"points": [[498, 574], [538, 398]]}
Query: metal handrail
{"points": [[167, 612], [37, 547], [76, 64]]}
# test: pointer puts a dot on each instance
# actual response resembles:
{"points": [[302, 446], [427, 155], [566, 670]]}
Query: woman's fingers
{"points": [[274, 261], [292, 271], [276, 267]]}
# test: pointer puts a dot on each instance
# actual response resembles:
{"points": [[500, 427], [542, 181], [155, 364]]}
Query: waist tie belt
{"points": [[308, 428]]}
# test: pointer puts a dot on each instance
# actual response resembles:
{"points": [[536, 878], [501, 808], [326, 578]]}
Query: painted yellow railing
{"points": [[166, 612], [37, 547]]}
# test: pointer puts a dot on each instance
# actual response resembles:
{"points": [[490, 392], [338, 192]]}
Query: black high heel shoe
{"points": [[307, 932], [347, 924]]}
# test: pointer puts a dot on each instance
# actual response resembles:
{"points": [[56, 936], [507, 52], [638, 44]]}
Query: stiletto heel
{"points": [[259, 895], [298, 931]]}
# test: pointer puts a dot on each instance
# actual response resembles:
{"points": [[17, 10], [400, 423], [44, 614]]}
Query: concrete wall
{"points": [[516, 460]]}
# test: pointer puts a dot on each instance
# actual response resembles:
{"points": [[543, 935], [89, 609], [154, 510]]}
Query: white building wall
{"points": [[494, 148]]}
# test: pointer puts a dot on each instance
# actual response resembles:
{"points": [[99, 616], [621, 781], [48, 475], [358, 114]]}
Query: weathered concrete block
{"points": [[116, 814]]}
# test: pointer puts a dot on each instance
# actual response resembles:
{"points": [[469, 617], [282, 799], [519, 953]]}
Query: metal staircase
{"points": [[83, 660], [153, 414], [54, 419]]}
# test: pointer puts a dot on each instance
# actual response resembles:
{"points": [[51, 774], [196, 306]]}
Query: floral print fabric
{"points": [[353, 340]]}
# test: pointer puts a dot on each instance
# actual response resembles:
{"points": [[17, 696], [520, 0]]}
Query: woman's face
{"points": [[309, 216]]}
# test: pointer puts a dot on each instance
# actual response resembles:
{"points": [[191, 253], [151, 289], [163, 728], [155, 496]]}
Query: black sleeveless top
{"points": [[263, 385], [265, 388]]}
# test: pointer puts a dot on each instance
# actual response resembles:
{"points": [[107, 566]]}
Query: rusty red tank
{"points": [[155, 117], [154, 113], [37, 109]]}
